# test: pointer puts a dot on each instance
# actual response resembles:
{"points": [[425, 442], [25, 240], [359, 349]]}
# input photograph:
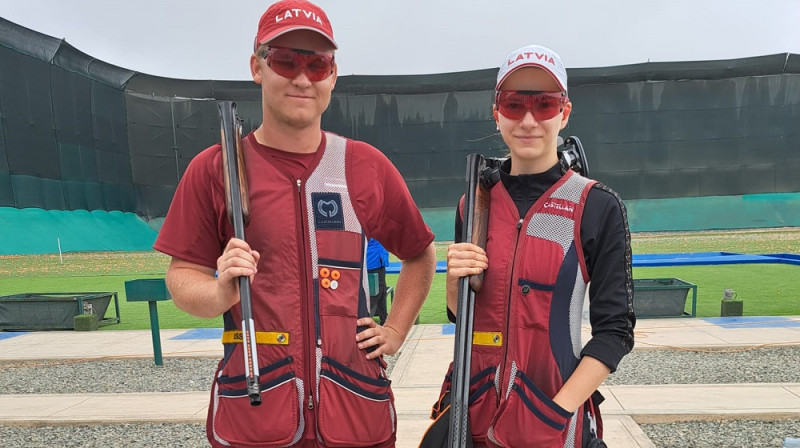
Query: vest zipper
{"points": [[309, 345], [504, 360]]}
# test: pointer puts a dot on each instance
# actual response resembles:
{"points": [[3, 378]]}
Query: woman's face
{"points": [[532, 142]]}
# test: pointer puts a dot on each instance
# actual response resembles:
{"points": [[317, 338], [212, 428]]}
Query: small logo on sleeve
{"points": [[328, 211]]}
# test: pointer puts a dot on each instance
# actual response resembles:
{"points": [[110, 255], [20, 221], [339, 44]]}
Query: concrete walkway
{"points": [[416, 378]]}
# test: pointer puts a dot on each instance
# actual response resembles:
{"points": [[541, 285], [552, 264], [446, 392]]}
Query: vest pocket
{"points": [[354, 409], [534, 304], [235, 421], [482, 402], [530, 418], [339, 288]]}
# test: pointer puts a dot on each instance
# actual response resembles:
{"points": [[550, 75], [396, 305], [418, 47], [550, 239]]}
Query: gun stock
{"points": [[480, 224]]}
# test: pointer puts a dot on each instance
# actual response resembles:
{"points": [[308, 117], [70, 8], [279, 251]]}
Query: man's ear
{"points": [[565, 117], [255, 68], [335, 75]]}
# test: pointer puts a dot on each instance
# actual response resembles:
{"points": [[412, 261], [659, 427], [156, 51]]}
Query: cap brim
{"points": [[283, 31], [531, 64]]}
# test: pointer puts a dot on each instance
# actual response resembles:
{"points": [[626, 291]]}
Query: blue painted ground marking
{"points": [[674, 259], [753, 322], [11, 334], [448, 328], [200, 333]]}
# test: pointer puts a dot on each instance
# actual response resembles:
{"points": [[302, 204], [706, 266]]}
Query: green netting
{"points": [[683, 214], [714, 212], [441, 220], [37, 231]]}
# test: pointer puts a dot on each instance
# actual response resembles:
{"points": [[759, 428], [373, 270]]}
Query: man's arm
{"points": [[413, 285], [194, 288]]}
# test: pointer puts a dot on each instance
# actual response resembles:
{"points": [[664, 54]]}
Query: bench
{"points": [[663, 297], [152, 291]]}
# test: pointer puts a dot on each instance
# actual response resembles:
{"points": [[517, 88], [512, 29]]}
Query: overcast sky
{"points": [[212, 39]]}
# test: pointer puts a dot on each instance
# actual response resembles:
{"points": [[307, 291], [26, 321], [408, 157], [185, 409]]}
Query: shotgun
{"points": [[237, 205], [460, 435]]}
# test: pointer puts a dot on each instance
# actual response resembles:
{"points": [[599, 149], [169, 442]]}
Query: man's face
{"points": [[297, 102]]}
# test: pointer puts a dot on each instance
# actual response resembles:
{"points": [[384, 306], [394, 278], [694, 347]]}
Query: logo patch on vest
{"points": [[328, 213]]}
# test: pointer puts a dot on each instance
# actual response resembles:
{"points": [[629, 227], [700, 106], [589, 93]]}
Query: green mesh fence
{"points": [[683, 214], [714, 212], [36, 231]]}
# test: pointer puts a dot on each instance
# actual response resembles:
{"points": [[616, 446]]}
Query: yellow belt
{"points": [[490, 338], [262, 337]]}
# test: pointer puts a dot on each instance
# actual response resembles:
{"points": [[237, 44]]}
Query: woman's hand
{"points": [[465, 259]]}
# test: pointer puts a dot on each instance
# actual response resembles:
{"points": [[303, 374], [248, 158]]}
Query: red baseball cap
{"points": [[291, 15]]}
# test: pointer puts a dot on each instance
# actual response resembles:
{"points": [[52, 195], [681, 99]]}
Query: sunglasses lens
{"points": [[283, 62], [288, 63], [319, 67], [512, 105], [544, 106]]}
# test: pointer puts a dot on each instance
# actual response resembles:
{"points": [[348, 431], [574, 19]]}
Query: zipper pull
{"points": [[519, 224], [319, 342], [299, 183], [592, 424], [310, 402]]}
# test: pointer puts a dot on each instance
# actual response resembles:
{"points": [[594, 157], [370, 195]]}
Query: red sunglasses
{"points": [[514, 104], [288, 62]]}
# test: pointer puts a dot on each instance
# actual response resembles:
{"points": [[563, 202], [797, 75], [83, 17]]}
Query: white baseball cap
{"points": [[533, 56]]}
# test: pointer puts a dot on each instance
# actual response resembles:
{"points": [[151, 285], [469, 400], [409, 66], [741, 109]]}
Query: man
{"points": [[314, 201]]}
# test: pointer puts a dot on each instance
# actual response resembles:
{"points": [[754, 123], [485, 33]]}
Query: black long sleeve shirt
{"points": [[605, 239]]}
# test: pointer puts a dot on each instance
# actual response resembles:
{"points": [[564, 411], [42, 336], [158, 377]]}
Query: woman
{"points": [[550, 232]]}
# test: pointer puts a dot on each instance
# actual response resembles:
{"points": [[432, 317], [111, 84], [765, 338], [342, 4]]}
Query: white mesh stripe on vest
{"points": [[557, 229], [572, 426], [572, 189], [329, 176], [576, 313]]}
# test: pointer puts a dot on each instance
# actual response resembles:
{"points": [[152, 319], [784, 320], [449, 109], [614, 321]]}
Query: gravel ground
{"points": [[728, 434], [155, 435], [762, 365], [111, 376]]}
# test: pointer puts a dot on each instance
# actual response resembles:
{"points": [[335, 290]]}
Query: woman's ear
{"points": [[565, 116]]}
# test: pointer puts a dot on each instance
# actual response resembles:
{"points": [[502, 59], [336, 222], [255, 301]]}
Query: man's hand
{"points": [[237, 260], [387, 339]]}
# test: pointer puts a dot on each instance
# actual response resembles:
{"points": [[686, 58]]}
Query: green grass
{"points": [[98, 272], [767, 290]]}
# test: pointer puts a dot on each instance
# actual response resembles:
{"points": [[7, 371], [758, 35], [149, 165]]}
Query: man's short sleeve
{"points": [[383, 203], [191, 228]]}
